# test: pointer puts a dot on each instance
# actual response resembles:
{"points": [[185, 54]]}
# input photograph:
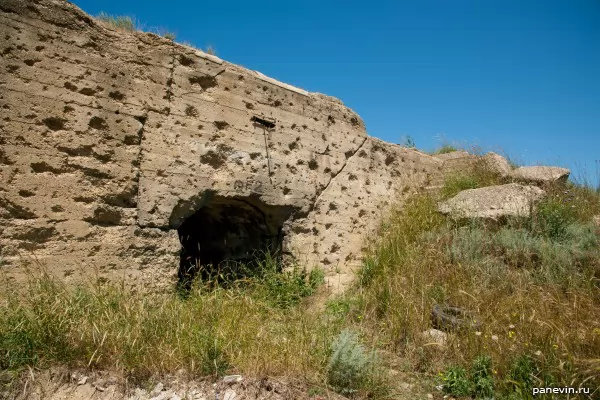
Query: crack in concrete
{"points": [[268, 155], [318, 197], [169, 90], [139, 157]]}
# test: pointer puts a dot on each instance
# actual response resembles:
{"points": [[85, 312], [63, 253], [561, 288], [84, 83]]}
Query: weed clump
{"points": [[478, 383], [351, 367], [119, 21], [445, 149]]}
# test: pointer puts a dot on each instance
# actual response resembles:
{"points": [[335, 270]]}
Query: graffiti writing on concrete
{"points": [[247, 185]]}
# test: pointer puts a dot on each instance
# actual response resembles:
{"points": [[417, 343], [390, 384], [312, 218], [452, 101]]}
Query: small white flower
{"points": [[538, 353], [477, 333], [494, 337]]}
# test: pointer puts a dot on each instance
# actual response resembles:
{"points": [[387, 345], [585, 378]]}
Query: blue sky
{"points": [[519, 77]]}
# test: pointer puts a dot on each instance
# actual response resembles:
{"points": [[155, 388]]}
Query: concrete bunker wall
{"points": [[111, 139]]}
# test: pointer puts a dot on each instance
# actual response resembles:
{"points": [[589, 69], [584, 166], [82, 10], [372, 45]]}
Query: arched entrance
{"points": [[225, 233]]}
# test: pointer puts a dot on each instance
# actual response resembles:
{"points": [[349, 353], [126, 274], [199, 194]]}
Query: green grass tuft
{"points": [[119, 21], [444, 149]]}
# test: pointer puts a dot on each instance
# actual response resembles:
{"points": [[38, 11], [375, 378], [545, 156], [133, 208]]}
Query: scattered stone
{"points": [[166, 395], [229, 395], [157, 389], [596, 220], [497, 164], [232, 378], [82, 381], [541, 174], [435, 336], [493, 202]]}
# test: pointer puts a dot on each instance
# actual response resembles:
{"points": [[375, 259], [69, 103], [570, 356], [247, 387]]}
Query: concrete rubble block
{"points": [[493, 202], [541, 174], [435, 336], [497, 164]]}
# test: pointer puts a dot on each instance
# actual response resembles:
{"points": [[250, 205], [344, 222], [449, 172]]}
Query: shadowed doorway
{"points": [[226, 233]]}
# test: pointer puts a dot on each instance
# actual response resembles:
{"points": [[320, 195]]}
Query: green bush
{"points": [[456, 382], [482, 377], [444, 149], [478, 383], [521, 376], [457, 183], [552, 217], [350, 366], [284, 289], [214, 360]]}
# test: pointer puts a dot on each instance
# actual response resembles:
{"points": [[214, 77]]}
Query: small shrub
{"points": [[482, 377], [446, 148], [211, 50], [286, 288], [457, 183], [479, 383], [456, 381], [214, 362], [350, 366], [521, 376], [478, 175], [552, 217], [367, 272], [169, 35]]}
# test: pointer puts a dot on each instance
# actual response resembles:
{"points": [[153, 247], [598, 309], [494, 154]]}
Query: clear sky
{"points": [[520, 77]]}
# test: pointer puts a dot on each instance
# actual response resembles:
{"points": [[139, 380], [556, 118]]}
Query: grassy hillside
{"points": [[532, 284]]}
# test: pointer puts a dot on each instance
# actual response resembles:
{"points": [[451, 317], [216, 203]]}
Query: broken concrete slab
{"points": [[541, 174], [435, 336], [497, 164], [493, 202]]}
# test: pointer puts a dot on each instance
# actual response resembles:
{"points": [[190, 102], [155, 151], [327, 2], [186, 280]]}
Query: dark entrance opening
{"points": [[226, 234]]}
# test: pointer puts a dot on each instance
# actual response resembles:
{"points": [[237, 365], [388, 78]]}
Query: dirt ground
{"points": [[60, 384]]}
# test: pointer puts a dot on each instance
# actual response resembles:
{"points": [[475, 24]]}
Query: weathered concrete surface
{"points": [[497, 164], [110, 140], [541, 174], [493, 202]]}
